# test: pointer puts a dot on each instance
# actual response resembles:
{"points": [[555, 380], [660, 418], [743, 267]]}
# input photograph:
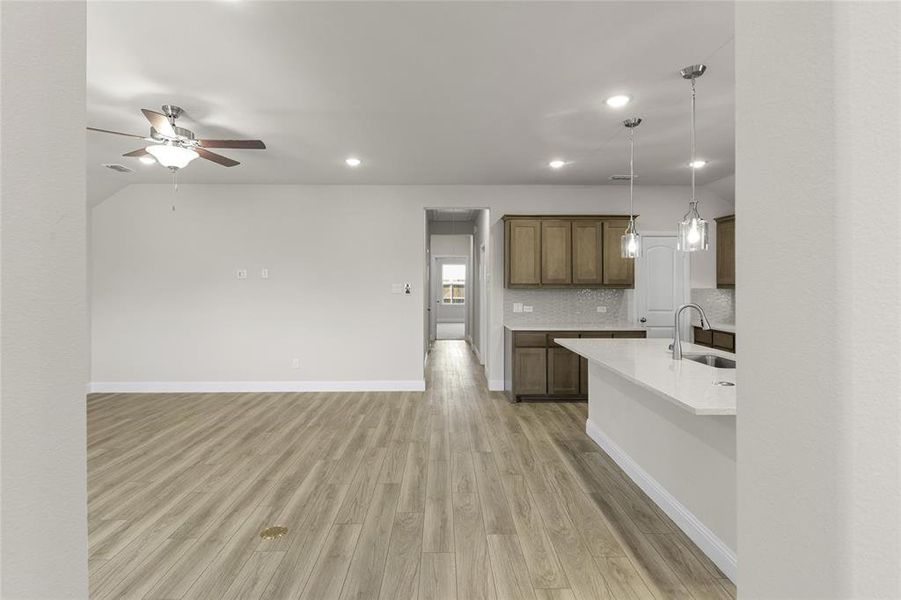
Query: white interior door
{"points": [[661, 283]]}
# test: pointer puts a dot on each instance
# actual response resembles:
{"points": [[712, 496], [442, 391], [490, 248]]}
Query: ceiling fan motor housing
{"points": [[182, 133]]}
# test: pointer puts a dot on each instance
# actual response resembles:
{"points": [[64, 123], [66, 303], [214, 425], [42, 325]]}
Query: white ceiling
{"points": [[422, 92]]}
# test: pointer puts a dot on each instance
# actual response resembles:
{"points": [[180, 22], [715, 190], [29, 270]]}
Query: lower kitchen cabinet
{"points": [[714, 338], [529, 371], [537, 367], [562, 372]]}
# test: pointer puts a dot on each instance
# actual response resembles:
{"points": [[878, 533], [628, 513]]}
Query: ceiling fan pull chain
{"points": [[175, 185]]}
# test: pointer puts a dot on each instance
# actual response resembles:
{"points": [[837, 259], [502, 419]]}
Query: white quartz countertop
{"points": [[728, 327], [571, 327], [648, 364]]}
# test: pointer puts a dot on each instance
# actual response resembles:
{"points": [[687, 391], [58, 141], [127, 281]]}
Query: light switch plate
{"points": [[397, 288], [264, 274], [517, 307], [241, 273], [602, 309], [527, 309]]}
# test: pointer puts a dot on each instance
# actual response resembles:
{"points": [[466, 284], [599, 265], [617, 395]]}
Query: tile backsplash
{"points": [[719, 304], [567, 306]]}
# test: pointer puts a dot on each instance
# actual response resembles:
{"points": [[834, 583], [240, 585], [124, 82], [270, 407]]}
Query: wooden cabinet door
{"points": [[588, 252], [618, 271], [556, 252], [523, 246], [724, 340], [703, 337], [725, 252], [562, 372], [529, 371]]}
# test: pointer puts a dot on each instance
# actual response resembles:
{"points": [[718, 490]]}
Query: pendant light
{"points": [[630, 243], [692, 228]]}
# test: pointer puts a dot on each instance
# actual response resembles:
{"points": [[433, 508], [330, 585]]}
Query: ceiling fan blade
{"points": [[243, 144], [159, 122], [216, 158], [137, 153], [140, 137]]}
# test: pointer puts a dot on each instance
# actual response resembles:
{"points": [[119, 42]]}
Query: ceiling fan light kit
{"points": [[175, 147], [172, 156]]}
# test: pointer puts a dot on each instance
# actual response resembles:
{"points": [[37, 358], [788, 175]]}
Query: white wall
{"points": [[43, 306], [167, 307], [479, 330], [451, 244], [819, 379]]}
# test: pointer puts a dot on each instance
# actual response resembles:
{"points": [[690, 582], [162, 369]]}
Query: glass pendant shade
{"points": [[692, 231], [630, 243], [692, 228], [174, 157]]}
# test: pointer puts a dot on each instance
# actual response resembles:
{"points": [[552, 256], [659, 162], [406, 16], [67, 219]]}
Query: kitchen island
{"points": [[670, 425]]}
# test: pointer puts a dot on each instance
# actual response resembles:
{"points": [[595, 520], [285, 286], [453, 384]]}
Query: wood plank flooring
{"points": [[450, 493]]}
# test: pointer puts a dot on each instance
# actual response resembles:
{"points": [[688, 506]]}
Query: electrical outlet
{"points": [[241, 273], [517, 307], [264, 274], [408, 288], [602, 309], [527, 309], [295, 364]]}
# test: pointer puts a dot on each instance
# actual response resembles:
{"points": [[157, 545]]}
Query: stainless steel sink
{"points": [[711, 360]]}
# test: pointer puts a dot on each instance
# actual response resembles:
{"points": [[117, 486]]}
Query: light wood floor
{"points": [[451, 493]]}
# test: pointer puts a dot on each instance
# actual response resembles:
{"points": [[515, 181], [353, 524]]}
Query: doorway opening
{"points": [[450, 314], [456, 277]]}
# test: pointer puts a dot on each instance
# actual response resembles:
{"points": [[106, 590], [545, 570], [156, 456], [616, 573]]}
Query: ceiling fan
{"points": [[174, 147]]}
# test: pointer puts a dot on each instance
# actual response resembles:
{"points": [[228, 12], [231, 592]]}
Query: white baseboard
{"points": [[721, 555], [139, 387], [496, 385]]}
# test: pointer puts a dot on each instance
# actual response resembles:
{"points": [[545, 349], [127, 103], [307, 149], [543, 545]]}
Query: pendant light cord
{"points": [[692, 164], [631, 174]]}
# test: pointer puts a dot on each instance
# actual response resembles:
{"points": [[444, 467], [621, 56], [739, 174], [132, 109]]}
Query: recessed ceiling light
{"points": [[147, 160], [352, 161], [698, 164], [557, 164], [618, 101]]}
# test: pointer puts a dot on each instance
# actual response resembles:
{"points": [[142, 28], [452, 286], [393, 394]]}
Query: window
{"points": [[453, 284]]}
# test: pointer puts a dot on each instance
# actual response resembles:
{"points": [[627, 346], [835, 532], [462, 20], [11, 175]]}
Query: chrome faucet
{"points": [[677, 343]]}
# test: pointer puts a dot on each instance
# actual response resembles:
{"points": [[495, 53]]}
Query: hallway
{"points": [[451, 493]]}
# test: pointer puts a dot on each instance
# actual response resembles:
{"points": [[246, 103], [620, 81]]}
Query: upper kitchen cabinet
{"points": [[588, 252], [566, 251], [618, 271], [556, 252], [725, 252], [522, 258]]}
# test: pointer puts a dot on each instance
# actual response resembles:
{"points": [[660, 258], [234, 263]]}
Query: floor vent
{"points": [[118, 168]]}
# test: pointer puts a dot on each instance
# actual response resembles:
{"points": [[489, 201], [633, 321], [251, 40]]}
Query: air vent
{"points": [[621, 177], [118, 168]]}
